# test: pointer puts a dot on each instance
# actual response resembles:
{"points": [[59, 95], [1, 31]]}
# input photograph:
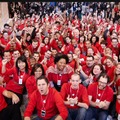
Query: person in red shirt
{"points": [[10, 63], [115, 46], [110, 67], [20, 74], [75, 98], [100, 96], [60, 72], [36, 72], [10, 112], [34, 46], [47, 101], [45, 46], [48, 59], [79, 57], [72, 61], [4, 40], [85, 70], [67, 47], [96, 71], [13, 45]]}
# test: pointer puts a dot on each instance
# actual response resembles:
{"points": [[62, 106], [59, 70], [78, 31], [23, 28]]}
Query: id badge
{"points": [[97, 100], [58, 82], [20, 81], [43, 113]]}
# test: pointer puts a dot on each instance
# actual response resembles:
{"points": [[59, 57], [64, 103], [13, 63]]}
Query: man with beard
{"points": [[100, 96]]}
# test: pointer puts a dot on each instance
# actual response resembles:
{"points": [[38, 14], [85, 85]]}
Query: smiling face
{"points": [[102, 83], [38, 72], [97, 70], [7, 56], [43, 87], [21, 65], [61, 64]]}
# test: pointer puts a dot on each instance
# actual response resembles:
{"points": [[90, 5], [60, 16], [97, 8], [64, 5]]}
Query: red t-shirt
{"points": [[117, 107], [81, 93], [106, 94], [16, 85], [54, 105], [3, 103], [31, 85], [54, 76]]}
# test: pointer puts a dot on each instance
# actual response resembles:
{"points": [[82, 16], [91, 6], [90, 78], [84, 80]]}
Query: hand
{"points": [[76, 100], [42, 44], [15, 98], [58, 118], [4, 61], [101, 104]]}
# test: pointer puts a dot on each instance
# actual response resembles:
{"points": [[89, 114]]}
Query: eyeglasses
{"points": [[102, 82]]}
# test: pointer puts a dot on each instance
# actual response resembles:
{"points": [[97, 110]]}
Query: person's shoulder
{"points": [[93, 85], [35, 94], [2, 89], [66, 85], [81, 86], [30, 79], [109, 89]]}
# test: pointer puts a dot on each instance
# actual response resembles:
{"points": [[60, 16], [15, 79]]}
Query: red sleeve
{"points": [[31, 105], [92, 88], [64, 91], [60, 105], [117, 107], [109, 94], [85, 95], [30, 86]]}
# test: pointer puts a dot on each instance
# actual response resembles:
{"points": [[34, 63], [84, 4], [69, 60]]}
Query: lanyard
{"points": [[73, 94], [99, 95]]}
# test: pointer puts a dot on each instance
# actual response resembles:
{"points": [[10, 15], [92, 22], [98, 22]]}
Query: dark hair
{"points": [[35, 67], [97, 39], [90, 56], [104, 75], [42, 77], [6, 25], [59, 56], [43, 41], [23, 59]]}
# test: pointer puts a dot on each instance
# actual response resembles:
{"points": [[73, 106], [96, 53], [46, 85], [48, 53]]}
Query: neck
{"points": [[75, 88], [22, 70]]}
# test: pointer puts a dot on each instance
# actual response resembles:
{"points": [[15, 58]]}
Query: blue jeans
{"points": [[97, 113], [76, 114]]}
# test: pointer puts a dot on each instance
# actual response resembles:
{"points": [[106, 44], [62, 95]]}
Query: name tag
{"points": [[20, 81], [58, 82]]}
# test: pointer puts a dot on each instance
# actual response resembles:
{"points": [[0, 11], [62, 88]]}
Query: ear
{"points": [[48, 84], [70, 80], [80, 81]]}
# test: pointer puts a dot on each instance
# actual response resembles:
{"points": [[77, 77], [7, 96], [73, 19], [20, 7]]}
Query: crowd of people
{"points": [[61, 60]]}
